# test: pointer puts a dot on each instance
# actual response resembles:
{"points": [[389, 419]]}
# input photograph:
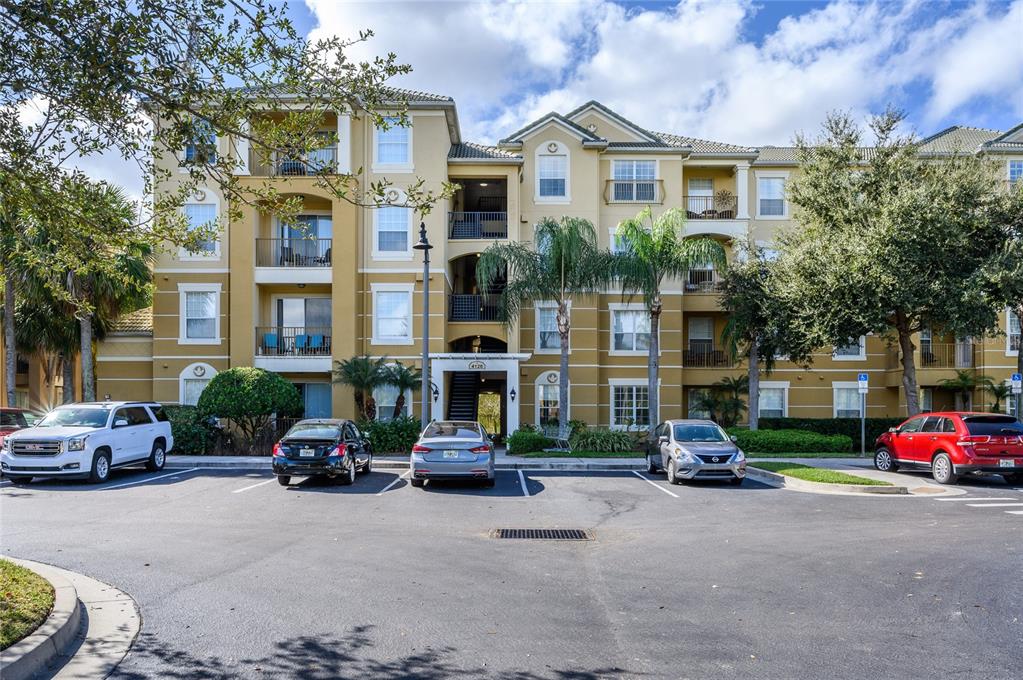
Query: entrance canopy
{"points": [[441, 364]]}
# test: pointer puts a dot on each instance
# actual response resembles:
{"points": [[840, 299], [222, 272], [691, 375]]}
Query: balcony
{"points": [[474, 308], [722, 207], [946, 355], [316, 162], [302, 349], [702, 281], [705, 354], [481, 225], [634, 191], [293, 252]]}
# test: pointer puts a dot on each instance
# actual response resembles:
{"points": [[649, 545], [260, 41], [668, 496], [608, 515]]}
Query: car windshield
{"points": [[993, 425], [699, 433], [456, 430], [12, 420], [75, 417], [313, 431]]}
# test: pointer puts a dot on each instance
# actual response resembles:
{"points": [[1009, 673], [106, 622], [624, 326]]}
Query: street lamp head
{"points": [[424, 243]]}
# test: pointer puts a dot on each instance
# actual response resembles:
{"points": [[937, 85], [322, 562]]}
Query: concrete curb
{"points": [[53, 638], [786, 482]]}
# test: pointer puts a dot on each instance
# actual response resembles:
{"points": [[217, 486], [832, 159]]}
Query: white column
{"points": [[344, 143], [241, 147], [512, 383], [436, 407], [742, 190]]}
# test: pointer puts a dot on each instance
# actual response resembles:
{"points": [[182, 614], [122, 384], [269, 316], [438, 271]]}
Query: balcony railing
{"points": [[293, 341], [703, 281], [474, 308], [946, 355], [710, 207], [293, 252], [315, 162], [634, 191], [705, 354], [470, 225]]}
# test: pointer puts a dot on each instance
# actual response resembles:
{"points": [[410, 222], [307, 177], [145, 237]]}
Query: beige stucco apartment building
{"points": [[262, 295]]}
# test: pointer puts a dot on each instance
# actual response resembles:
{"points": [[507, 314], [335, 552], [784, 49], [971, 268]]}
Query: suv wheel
{"points": [[100, 468], [157, 458], [883, 460], [942, 469]]}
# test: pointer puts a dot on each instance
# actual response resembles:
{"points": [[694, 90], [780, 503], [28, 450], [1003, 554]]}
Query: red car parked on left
{"points": [[12, 420]]}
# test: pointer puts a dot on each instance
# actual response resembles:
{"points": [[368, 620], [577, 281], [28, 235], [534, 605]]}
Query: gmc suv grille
{"points": [[32, 447]]}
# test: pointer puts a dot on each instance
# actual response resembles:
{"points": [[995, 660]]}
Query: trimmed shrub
{"points": [[601, 440], [789, 441], [192, 435], [247, 397], [526, 440], [850, 427], [392, 436]]}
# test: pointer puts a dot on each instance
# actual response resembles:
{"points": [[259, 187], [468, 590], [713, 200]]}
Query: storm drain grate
{"points": [[544, 534]]}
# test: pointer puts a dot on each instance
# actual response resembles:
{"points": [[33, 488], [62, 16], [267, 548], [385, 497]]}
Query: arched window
{"points": [[192, 381]]}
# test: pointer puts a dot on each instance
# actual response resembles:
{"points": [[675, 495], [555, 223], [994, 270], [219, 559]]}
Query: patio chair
{"points": [[270, 345], [315, 344], [301, 343]]}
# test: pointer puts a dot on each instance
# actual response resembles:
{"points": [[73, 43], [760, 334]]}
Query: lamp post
{"points": [[424, 390]]}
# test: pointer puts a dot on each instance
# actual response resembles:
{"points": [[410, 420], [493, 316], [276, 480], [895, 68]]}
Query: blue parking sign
{"points": [[862, 377]]}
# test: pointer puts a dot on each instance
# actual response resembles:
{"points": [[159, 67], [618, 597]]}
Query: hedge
{"points": [[601, 440], [526, 440], [391, 436], [191, 434], [789, 441], [850, 427]]}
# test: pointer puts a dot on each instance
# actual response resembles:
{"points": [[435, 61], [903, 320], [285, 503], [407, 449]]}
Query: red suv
{"points": [[951, 444], [12, 420]]}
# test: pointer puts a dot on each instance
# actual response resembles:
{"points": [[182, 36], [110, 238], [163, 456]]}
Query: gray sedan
{"points": [[695, 449], [453, 449]]}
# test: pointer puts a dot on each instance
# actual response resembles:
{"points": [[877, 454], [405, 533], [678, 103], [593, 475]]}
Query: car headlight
{"points": [[6, 446], [739, 456], [76, 444], [684, 455]]}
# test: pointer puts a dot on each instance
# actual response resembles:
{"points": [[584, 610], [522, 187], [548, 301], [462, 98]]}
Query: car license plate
{"points": [[451, 453], [1006, 462], [306, 453]]}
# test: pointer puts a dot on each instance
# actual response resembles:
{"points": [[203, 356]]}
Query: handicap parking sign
{"points": [[1017, 383]]}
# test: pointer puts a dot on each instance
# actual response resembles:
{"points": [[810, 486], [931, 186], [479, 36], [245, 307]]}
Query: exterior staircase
{"points": [[465, 392]]}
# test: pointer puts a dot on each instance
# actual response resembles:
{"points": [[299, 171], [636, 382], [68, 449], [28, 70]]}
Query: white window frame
{"points": [[926, 395], [406, 167], [391, 255], [776, 385], [183, 290], [1008, 170], [409, 288], [862, 356], [615, 307], [1010, 403], [188, 373], [612, 383], [541, 381], [390, 412], [543, 150], [771, 174], [844, 385], [184, 163], [1009, 352], [208, 197], [654, 181], [536, 327]]}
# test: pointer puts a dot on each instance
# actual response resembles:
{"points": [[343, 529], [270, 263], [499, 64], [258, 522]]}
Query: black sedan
{"points": [[324, 447]]}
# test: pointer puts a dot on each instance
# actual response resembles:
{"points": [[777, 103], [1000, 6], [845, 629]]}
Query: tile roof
{"points": [[702, 146], [1005, 143], [474, 151], [786, 155], [553, 115], [958, 138], [416, 96], [139, 322], [651, 136]]}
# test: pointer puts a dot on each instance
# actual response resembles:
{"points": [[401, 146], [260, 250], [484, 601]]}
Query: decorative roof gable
{"points": [[594, 106], [588, 138]]}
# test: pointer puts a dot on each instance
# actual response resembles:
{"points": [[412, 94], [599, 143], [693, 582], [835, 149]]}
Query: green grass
{"points": [[580, 454], [812, 474], [25, 601], [819, 454]]}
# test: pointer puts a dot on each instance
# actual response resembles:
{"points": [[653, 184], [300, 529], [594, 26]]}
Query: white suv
{"points": [[86, 440]]}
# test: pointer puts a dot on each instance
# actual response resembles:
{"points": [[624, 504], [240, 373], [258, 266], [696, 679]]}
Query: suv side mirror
{"points": [[121, 422], [662, 439]]}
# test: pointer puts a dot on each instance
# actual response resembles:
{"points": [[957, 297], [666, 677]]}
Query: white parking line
{"points": [[4, 483], [253, 486], [149, 479], [522, 481], [995, 505], [388, 487], [654, 484], [1014, 512], [966, 499]]}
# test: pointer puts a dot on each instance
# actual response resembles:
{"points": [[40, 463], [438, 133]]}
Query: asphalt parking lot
{"points": [[239, 577]]}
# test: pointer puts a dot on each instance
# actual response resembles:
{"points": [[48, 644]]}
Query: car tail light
{"points": [[480, 449], [418, 448], [974, 439], [277, 450]]}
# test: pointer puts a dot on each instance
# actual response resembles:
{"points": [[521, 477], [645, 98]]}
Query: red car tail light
{"points": [[479, 449], [974, 439], [417, 448], [277, 450]]}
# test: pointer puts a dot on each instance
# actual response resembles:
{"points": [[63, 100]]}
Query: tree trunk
{"points": [[909, 384], [563, 332], [10, 353], [68, 368], [653, 365], [399, 404], [754, 384], [360, 403], [88, 375]]}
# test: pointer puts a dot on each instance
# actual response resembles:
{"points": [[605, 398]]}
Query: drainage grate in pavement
{"points": [[543, 534]]}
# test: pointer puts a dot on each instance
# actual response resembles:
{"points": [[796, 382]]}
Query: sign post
{"points": [[1017, 390], [862, 382]]}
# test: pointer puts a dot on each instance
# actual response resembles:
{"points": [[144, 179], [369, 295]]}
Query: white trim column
{"points": [[344, 143], [511, 382], [742, 190], [436, 407]]}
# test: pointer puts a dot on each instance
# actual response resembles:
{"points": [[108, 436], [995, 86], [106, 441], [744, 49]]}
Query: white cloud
{"points": [[693, 68]]}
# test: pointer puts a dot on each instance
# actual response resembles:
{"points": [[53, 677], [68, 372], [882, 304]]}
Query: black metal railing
{"points": [[634, 191], [318, 161], [477, 225], [702, 281], [293, 252], [474, 308], [701, 354], [946, 355], [293, 341], [710, 207]]}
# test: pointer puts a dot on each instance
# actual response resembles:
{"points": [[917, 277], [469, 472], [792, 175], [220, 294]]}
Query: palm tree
{"points": [[404, 378], [47, 327], [964, 384], [363, 374], [565, 263], [999, 392], [656, 250]]}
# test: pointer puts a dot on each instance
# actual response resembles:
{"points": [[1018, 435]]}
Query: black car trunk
{"points": [[307, 449]]}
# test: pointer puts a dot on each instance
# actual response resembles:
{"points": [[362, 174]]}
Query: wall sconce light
{"points": [[434, 391], [512, 394]]}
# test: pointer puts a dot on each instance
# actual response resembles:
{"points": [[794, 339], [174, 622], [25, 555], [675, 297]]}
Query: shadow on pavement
{"points": [[507, 486], [365, 484], [314, 657]]}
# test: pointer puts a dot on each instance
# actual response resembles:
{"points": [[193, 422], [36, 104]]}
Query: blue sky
{"points": [[743, 71]]}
